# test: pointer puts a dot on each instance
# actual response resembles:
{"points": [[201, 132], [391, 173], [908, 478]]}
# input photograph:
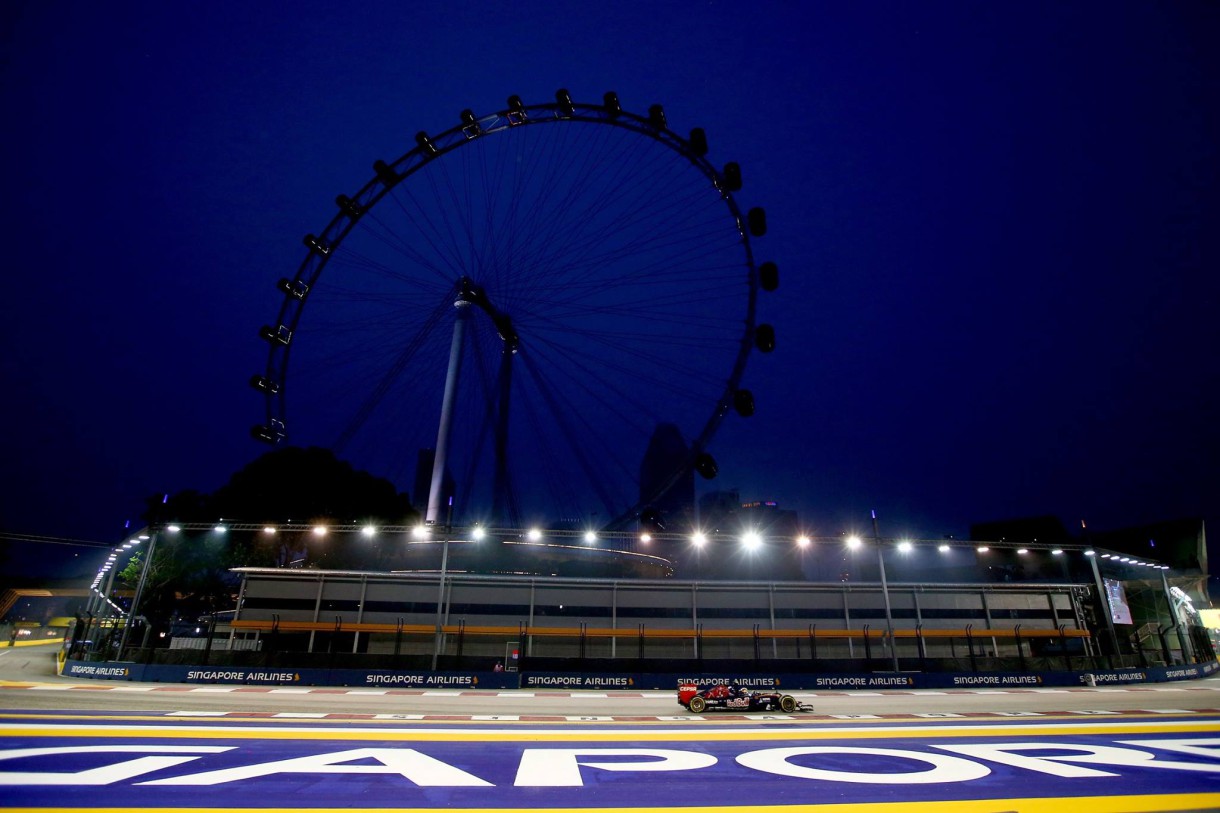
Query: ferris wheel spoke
{"points": [[483, 411], [582, 267], [648, 324], [599, 246], [659, 273], [561, 259], [624, 404], [552, 237], [404, 250], [578, 372], [578, 445], [416, 216], [448, 235], [573, 230], [391, 375]]}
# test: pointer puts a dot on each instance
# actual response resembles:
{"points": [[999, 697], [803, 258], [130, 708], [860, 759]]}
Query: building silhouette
{"points": [[724, 520], [667, 481]]}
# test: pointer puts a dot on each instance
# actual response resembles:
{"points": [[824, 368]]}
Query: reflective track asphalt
{"points": [[100, 747]]}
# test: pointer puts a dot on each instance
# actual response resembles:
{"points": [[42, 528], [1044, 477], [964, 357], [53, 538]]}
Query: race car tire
{"points": [[787, 704], [697, 704]]}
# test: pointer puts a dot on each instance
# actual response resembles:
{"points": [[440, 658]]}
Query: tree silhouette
{"points": [[307, 487], [288, 489]]}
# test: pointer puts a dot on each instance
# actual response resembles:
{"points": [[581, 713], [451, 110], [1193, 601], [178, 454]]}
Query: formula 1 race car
{"points": [[697, 698]]}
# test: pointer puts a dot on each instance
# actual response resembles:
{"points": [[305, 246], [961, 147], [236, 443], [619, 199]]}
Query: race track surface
{"points": [[72, 745]]}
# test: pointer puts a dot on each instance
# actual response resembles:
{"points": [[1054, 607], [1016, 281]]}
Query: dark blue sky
{"points": [[996, 226]]}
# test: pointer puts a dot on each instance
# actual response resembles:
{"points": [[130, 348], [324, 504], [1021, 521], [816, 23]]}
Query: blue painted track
{"points": [[96, 762]]}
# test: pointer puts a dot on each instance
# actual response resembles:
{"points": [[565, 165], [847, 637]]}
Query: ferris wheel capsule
{"points": [[494, 287]]}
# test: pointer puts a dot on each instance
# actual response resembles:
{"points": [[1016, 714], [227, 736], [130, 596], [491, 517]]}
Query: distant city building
{"points": [[667, 453], [1049, 530], [1005, 565], [718, 512], [771, 554], [768, 519]]}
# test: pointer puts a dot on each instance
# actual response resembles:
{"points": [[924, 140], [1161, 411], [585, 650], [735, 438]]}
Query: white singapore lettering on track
{"points": [[1060, 764], [560, 767], [107, 774], [564, 767], [423, 770], [944, 768]]}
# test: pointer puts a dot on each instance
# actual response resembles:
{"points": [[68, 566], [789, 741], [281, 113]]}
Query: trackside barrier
{"points": [[271, 676], [163, 673], [583, 633], [350, 645]]}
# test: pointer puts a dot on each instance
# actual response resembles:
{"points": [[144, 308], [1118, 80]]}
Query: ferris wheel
{"points": [[528, 296]]}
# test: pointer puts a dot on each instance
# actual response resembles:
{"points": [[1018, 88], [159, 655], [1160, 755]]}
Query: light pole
{"points": [[101, 598], [440, 590], [885, 594], [135, 600], [1176, 617], [1103, 601]]}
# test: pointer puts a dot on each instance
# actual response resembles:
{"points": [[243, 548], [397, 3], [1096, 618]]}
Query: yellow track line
{"points": [[582, 736]]}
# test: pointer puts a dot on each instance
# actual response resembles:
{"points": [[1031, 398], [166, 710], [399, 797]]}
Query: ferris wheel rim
{"points": [[428, 149]]}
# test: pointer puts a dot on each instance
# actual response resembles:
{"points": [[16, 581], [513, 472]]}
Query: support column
{"points": [[694, 615], [444, 430], [503, 509], [995, 646], [1187, 654], [1104, 602], [364, 590], [135, 600], [771, 606], [614, 619], [317, 609], [851, 648], [885, 594]]}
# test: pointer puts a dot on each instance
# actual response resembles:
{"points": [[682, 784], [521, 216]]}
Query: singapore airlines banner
{"points": [[823, 681]]}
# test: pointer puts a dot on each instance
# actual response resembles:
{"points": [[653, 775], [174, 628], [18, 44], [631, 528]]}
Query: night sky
{"points": [[996, 226]]}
